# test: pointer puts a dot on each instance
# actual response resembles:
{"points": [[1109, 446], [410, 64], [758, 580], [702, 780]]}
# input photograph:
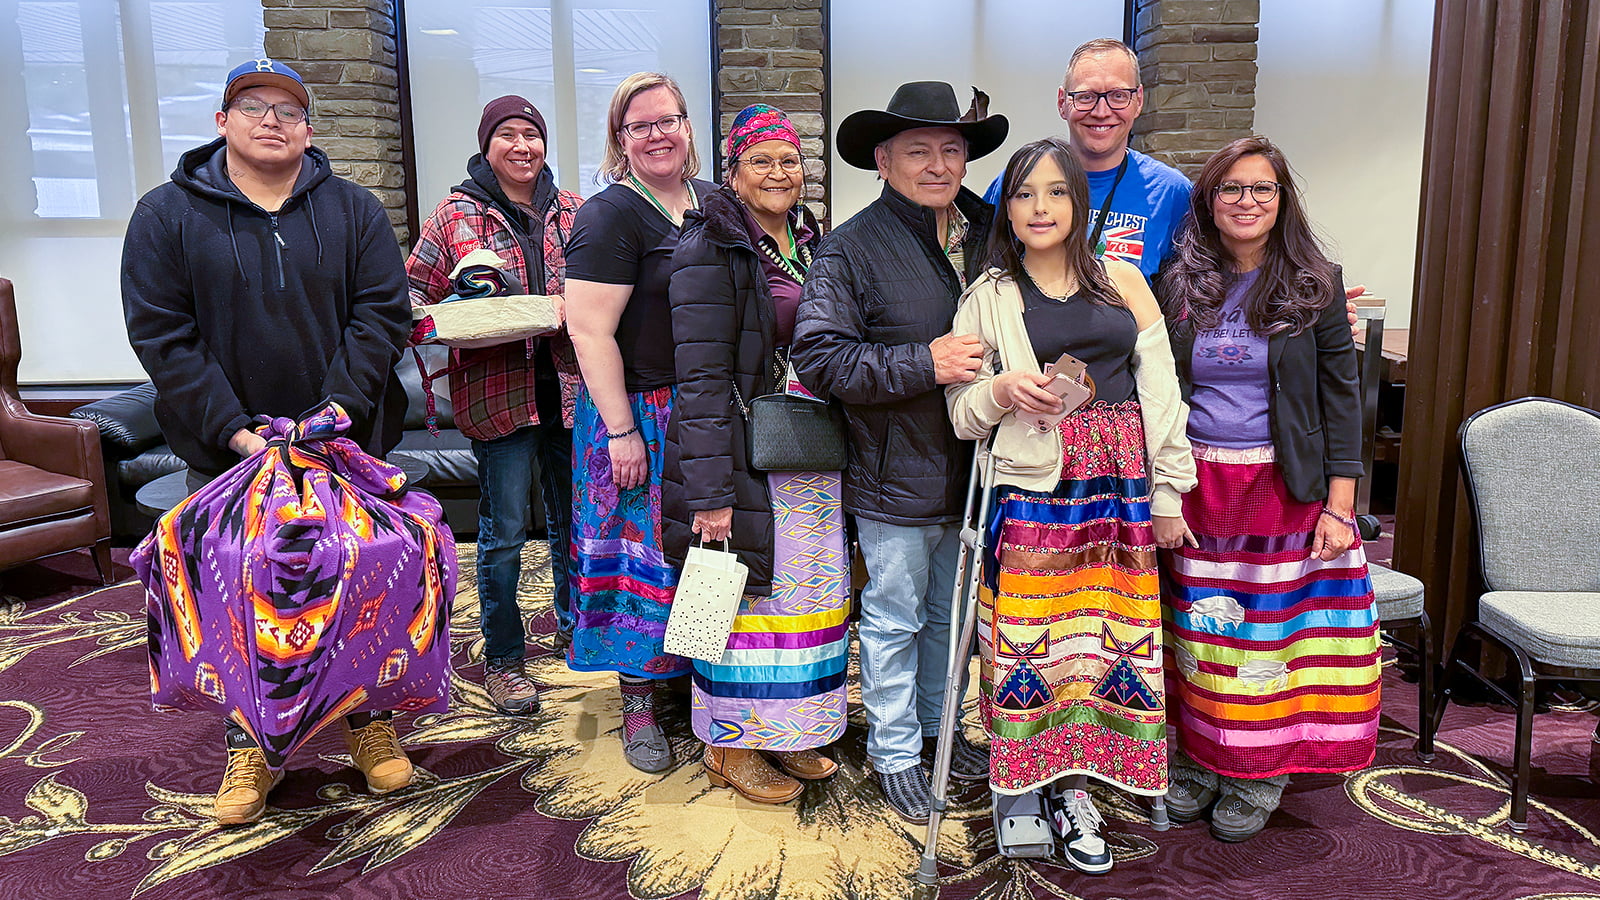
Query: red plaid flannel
{"points": [[492, 388]]}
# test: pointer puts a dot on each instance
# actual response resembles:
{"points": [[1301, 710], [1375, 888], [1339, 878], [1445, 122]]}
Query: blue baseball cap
{"points": [[268, 73]]}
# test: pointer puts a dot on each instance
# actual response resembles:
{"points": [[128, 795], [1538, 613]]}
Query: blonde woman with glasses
{"points": [[618, 267]]}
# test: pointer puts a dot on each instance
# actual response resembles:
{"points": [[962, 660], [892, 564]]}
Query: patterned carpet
{"points": [[101, 797]]}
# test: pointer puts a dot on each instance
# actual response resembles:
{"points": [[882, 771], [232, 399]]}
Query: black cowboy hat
{"points": [[921, 104]]}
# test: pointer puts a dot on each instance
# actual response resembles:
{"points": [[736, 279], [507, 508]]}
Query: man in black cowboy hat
{"points": [[873, 330]]}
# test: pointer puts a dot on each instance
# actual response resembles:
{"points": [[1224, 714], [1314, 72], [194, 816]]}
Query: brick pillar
{"points": [[345, 51], [770, 51], [1197, 59]]}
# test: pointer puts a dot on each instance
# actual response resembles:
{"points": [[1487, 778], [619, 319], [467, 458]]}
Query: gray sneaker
{"points": [[1235, 819], [648, 750], [510, 689], [1187, 802]]}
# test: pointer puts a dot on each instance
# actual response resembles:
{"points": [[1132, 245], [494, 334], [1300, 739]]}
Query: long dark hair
{"points": [[1005, 248], [1296, 277]]}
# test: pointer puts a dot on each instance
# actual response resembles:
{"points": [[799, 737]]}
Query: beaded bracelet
{"points": [[621, 434], [1349, 522]]}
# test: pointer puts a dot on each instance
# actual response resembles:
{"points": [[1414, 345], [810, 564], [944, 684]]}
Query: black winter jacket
{"points": [[880, 291], [724, 324], [1313, 398], [236, 312]]}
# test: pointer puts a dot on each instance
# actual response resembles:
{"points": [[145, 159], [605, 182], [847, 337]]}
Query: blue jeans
{"points": [[506, 469], [905, 636]]}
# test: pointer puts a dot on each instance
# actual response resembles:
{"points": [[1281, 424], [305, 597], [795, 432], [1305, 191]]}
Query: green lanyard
{"points": [[652, 198]]}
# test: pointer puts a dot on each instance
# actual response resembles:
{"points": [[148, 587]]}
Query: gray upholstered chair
{"points": [[1400, 608], [1532, 468]]}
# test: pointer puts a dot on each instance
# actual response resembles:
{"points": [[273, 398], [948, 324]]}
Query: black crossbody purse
{"points": [[787, 433]]}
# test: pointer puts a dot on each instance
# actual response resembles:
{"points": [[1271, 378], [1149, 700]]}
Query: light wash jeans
{"points": [[905, 636]]}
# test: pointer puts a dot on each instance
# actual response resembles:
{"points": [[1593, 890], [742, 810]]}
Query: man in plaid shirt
{"points": [[514, 400]]}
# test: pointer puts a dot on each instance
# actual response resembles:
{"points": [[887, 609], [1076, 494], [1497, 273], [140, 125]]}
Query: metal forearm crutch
{"points": [[963, 626]]}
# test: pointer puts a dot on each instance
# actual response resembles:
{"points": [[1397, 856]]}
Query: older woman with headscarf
{"points": [[779, 688]]}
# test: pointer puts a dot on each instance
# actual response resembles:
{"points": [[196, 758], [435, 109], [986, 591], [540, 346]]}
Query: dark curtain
{"points": [[1508, 259]]}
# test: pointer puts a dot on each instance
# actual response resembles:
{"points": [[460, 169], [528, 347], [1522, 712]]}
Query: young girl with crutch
{"points": [[1090, 457]]}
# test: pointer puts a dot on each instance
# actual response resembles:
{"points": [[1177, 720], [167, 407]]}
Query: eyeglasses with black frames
{"points": [[287, 113], [640, 131], [1261, 191], [763, 165], [1116, 98]]}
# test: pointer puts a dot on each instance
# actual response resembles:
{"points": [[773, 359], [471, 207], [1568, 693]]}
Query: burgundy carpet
{"points": [[102, 797]]}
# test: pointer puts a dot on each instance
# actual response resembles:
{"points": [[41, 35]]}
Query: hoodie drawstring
{"points": [[312, 208], [234, 239]]}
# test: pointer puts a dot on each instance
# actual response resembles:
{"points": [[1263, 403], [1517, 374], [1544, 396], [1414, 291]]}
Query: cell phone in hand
{"points": [[1069, 380]]}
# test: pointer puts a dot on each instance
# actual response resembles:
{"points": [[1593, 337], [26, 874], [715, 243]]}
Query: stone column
{"points": [[770, 51], [1197, 60], [345, 51]]}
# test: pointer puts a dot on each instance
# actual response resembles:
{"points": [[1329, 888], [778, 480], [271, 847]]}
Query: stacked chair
{"points": [[1532, 468]]}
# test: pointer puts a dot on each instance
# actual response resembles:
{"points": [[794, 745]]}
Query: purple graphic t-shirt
{"points": [[1228, 407]]}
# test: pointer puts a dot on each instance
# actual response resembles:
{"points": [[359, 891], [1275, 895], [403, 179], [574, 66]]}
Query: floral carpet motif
{"points": [[102, 797]]}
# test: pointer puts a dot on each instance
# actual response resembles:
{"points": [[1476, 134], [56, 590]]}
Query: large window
{"points": [[98, 98], [565, 55]]}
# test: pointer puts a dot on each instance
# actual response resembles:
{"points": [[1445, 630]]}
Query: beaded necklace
{"points": [[797, 266]]}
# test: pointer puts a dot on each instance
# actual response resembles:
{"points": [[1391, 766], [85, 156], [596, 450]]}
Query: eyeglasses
{"points": [[287, 113], [763, 165], [1261, 191], [1116, 98], [640, 131]]}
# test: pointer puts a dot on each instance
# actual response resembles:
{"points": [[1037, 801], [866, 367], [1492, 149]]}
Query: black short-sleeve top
{"points": [[620, 237], [1100, 335]]}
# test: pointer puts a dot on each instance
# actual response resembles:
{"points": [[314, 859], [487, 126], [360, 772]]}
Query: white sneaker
{"points": [[1078, 824]]}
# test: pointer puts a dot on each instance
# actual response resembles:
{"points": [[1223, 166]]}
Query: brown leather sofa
{"points": [[52, 481]]}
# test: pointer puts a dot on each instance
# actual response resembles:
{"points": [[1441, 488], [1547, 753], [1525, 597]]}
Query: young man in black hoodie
{"points": [[257, 282], [514, 400]]}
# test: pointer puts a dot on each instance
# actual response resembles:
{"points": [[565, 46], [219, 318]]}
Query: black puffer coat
{"points": [[724, 325], [880, 291]]}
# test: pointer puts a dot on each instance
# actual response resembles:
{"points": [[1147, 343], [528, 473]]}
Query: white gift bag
{"points": [[705, 604]]}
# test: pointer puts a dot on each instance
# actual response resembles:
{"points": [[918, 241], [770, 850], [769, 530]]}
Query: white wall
{"points": [[1016, 52], [1343, 89]]}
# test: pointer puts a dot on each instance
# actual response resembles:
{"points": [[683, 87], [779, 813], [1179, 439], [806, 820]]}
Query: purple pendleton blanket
{"points": [[302, 585]]}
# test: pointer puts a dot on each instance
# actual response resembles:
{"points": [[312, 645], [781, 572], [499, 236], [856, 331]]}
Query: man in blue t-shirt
{"points": [[1142, 199], [1136, 202]]}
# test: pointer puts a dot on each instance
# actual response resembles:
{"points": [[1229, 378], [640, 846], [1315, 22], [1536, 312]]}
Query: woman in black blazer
{"points": [[1271, 626]]}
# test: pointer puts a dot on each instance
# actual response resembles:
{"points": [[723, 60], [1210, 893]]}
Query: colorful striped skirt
{"points": [[781, 683], [1069, 621], [624, 583], [1274, 662]]}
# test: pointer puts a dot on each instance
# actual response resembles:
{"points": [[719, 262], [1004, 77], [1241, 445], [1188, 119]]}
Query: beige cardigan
{"points": [[992, 309]]}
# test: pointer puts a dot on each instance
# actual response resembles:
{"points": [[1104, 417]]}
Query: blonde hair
{"points": [[1097, 47], [615, 167]]}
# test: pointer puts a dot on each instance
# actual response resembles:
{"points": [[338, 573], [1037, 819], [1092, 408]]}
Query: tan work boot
{"points": [[245, 784], [375, 750], [747, 772]]}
